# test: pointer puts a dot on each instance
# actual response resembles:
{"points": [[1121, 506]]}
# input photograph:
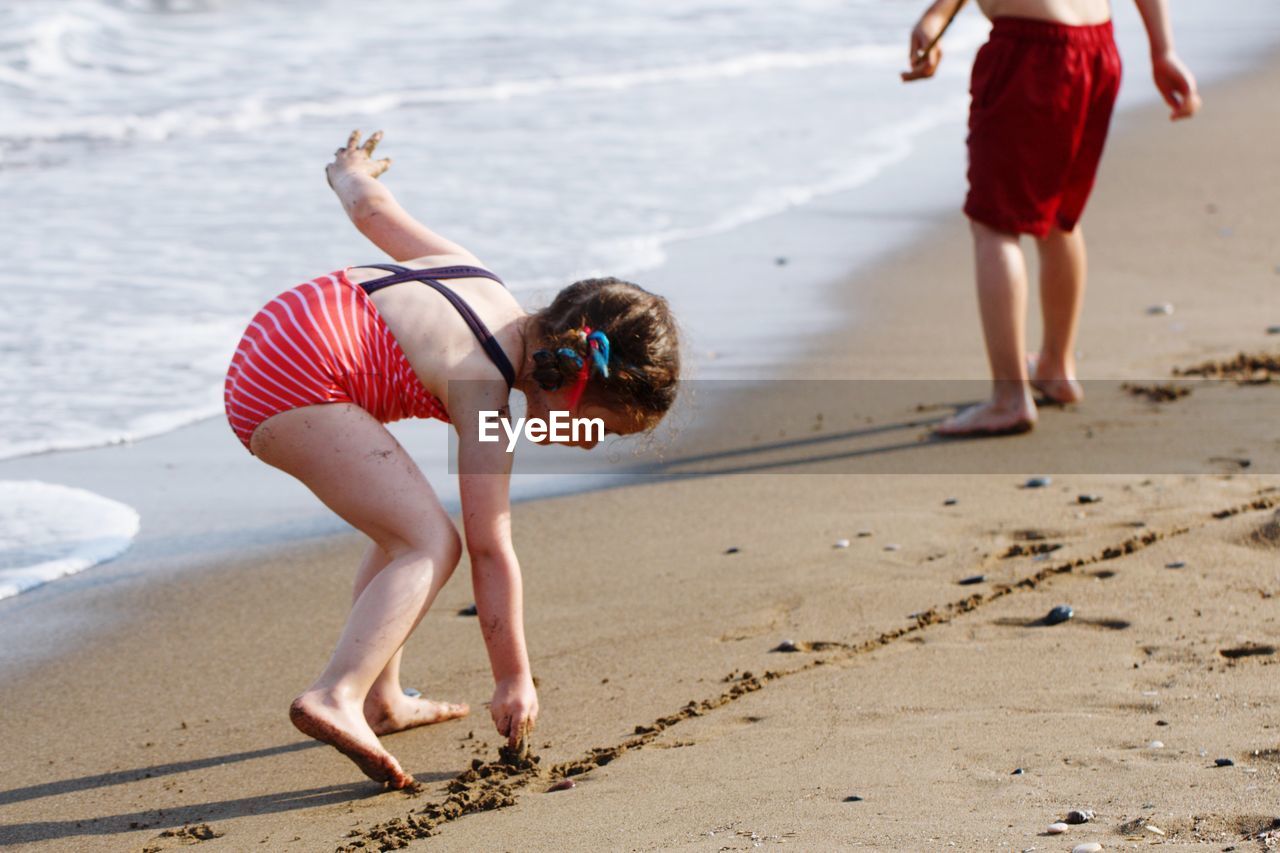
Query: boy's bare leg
{"points": [[1063, 266], [386, 708], [1002, 299], [379, 490]]}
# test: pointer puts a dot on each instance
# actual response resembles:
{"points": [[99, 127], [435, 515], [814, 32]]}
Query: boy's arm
{"points": [[926, 53], [1176, 84], [484, 477], [353, 176]]}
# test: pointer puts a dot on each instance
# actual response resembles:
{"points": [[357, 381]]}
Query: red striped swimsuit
{"points": [[324, 342]]}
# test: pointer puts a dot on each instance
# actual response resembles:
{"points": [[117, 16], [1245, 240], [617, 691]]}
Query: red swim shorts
{"points": [[1042, 100]]}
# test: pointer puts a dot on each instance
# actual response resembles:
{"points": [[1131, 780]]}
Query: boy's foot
{"points": [[988, 419], [1058, 387], [397, 712], [344, 728]]}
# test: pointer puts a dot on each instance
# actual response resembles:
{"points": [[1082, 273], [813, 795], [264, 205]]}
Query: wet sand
{"points": [[661, 697]]}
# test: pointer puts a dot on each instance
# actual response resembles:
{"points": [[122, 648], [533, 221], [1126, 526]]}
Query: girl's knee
{"points": [[437, 541]]}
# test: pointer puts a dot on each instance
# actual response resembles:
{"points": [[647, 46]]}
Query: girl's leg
{"points": [[361, 472], [386, 708]]}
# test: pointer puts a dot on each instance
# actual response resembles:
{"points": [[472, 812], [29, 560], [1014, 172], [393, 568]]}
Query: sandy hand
{"points": [[514, 709], [356, 159]]}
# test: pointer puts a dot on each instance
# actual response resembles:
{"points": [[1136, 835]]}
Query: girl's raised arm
{"points": [[353, 175]]}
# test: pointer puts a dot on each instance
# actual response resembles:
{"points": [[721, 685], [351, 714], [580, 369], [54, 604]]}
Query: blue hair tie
{"points": [[599, 344], [570, 354]]}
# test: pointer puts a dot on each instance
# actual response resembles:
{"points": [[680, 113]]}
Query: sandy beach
{"points": [[912, 712]]}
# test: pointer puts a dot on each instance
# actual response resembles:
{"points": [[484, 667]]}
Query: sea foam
{"points": [[48, 531]]}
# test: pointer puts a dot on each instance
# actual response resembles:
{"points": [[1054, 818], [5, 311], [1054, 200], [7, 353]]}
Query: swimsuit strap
{"points": [[431, 278]]}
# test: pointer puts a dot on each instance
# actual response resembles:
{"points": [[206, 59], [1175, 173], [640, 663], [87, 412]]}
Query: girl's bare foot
{"points": [[989, 419], [395, 712], [343, 727], [1057, 386]]}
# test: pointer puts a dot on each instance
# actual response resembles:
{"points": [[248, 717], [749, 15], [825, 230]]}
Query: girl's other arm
{"points": [[374, 211], [484, 479], [1176, 84], [925, 50]]}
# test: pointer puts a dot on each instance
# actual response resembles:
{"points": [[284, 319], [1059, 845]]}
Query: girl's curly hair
{"points": [[643, 348]]}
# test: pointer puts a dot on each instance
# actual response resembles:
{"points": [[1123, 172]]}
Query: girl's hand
{"points": [[514, 708], [356, 159], [1176, 85]]}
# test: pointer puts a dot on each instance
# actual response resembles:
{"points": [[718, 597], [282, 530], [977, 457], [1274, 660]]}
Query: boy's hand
{"points": [[924, 61], [514, 708], [356, 159], [1176, 85]]}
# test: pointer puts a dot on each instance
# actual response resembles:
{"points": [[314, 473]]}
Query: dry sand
{"points": [[660, 695]]}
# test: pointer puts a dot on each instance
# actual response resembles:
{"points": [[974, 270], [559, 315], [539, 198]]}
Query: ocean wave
{"points": [[48, 531], [888, 145], [146, 426], [257, 112]]}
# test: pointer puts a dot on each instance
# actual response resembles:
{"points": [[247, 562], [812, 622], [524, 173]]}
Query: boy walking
{"points": [[1043, 89]]}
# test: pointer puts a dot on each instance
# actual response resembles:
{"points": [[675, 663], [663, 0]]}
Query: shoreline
{"points": [[193, 738]]}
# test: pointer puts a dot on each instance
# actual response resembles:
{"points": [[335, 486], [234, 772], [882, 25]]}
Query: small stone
{"points": [[732, 550], [853, 798], [1273, 330], [1156, 744], [1176, 564], [1151, 827], [1017, 771], [1037, 482], [892, 547], [1059, 614], [786, 646], [1079, 815], [842, 543], [972, 579], [1223, 762], [1162, 309], [562, 785], [1091, 847], [950, 502], [1088, 499], [412, 692], [863, 534], [1162, 722], [469, 610], [1056, 828]]}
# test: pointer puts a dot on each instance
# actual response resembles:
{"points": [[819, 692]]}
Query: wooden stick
{"points": [[942, 32]]}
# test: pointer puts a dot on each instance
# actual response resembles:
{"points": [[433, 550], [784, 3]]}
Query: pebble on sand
{"points": [[1079, 815], [972, 579], [733, 550], [842, 543], [1091, 847], [469, 610], [786, 646], [1017, 771], [1162, 309], [1223, 762], [1056, 828], [863, 534], [1059, 614], [1176, 564], [1037, 482], [562, 785], [1273, 330], [1156, 744], [1088, 499], [853, 798], [950, 502], [893, 547]]}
